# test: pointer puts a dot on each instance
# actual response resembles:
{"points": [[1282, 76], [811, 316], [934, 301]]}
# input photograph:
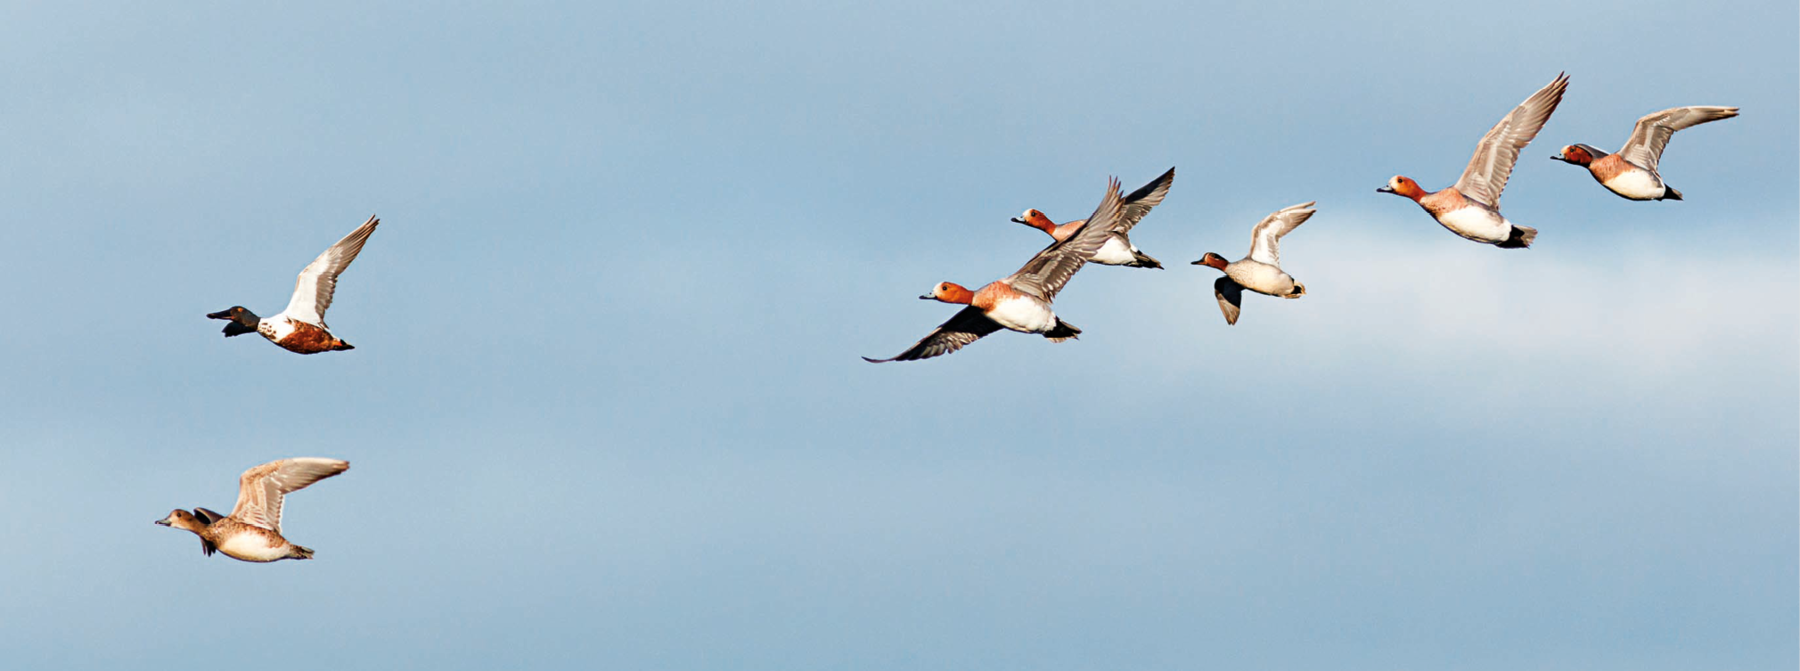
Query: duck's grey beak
{"points": [[1559, 157], [1201, 262], [1385, 189], [1017, 220], [928, 297], [163, 522]]}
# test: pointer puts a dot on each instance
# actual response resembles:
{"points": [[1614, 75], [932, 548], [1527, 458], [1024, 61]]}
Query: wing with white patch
{"points": [[1046, 273], [1492, 164], [965, 327], [261, 489], [1265, 239], [1651, 136], [318, 280]]}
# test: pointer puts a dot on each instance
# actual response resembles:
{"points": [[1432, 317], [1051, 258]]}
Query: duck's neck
{"points": [[1038, 221], [243, 322]]}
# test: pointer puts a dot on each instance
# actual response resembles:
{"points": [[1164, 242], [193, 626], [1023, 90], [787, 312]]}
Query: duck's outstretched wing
{"points": [[261, 489], [1046, 273], [1265, 239], [1231, 298], [1492, 164], [965, 327], [318, 280], [1651, 136], [1139, 202]]}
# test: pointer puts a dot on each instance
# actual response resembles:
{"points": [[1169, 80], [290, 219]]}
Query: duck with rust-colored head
{"points": [[1471, 207], [301, 327], [1118, 250], [1021, 301], [1632, 173], [252, 532], [1260, 271]]}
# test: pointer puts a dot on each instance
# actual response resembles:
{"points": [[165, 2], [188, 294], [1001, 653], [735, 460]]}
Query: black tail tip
{"points": [[1062, 331], [1669, 193], [1520, 238]]}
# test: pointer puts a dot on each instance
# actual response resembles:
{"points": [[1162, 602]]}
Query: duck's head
{"points": [[1214, 260], [242, 321], [1035, 219], [182, 519], [1402, 186], [1578, 154], [949, 292]]}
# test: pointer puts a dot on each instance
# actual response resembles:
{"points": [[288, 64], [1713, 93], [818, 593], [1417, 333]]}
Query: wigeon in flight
{"points": [[1631, 173], [1118, 250], [1021, 301], [301, 327], [1260, 271], [252, 532], [1471, 207]]}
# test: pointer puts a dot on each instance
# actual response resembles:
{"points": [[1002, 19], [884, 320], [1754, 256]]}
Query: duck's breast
{"points": [[1260, 277], [275, 328]]}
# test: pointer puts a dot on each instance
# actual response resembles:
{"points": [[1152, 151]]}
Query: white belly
{"points": [[1114, 253], [251, 547], [1477, 224], [1636, 185], [1023, 314], [1260, 277]]}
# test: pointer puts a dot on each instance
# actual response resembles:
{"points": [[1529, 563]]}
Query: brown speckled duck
{"points": [[252, 532]]}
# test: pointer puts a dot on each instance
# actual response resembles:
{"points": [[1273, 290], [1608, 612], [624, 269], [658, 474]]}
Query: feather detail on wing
{"points": [[1046, 273], [965, 327], [1139, 202], [1265, 239], [261, 489], [318, 280], [1652, 133], [1492, 164]]}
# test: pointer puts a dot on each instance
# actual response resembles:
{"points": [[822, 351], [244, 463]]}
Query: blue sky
{"points": [[606, 406]]}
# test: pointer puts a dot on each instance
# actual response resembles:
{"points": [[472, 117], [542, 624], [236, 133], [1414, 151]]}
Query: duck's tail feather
{"points": [[1669, 193], [1142, 260], [1521, 237], [1063, 331]]}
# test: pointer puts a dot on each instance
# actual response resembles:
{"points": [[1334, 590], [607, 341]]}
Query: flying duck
{"points": [[301, 327], [252, 532]]}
